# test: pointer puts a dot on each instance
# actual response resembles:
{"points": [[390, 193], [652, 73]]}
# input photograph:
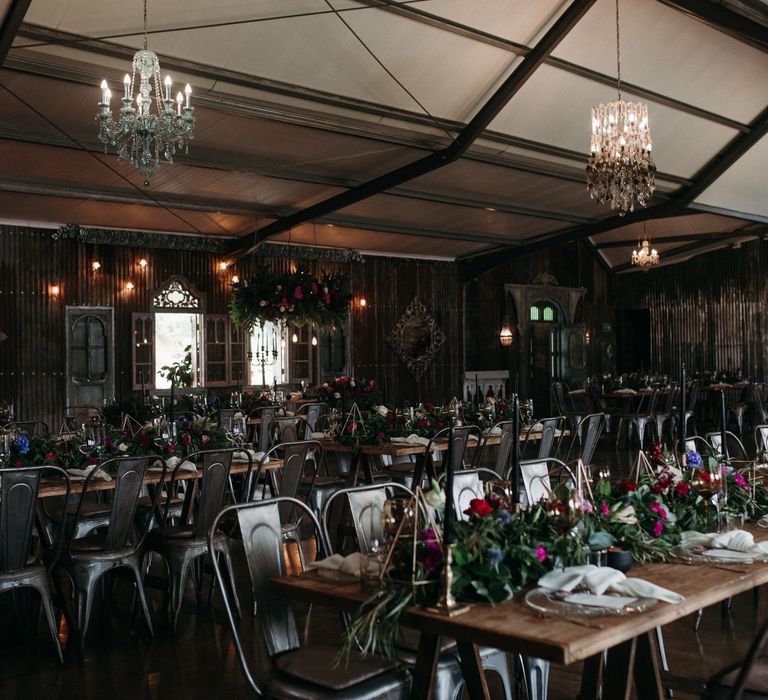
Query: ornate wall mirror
{"points": [[416, 338]]}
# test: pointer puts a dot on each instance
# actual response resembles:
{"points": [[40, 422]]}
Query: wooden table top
{"points": [[401, 449], [515, 627], [57, 487]]}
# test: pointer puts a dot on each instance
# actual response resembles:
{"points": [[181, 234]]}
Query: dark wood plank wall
{"points": [[33, 361], [574, 265], [710, 310]]}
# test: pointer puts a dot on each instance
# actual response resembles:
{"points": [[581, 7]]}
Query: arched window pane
{"points": [[534, 313], [549, 313]]}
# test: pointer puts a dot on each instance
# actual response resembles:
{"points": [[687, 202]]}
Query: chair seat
{"points": [[91, 543], [324, 481], [178, 532], [720, 686], [410, 638], [316, 664]]}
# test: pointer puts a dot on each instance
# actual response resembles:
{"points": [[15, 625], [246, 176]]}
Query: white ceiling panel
{"points": [[668, 52], [743, 187]]}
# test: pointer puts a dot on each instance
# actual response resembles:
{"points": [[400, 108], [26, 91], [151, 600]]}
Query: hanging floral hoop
{"points": [[297, 298]]}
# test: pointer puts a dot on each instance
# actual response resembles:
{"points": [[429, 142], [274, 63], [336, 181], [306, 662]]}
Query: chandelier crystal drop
{"points": [[141, 136], [645, 256], [620, 169]]}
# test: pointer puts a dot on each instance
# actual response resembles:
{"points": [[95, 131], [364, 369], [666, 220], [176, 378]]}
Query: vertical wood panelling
{"points": [[709, 310], [33, 358]]}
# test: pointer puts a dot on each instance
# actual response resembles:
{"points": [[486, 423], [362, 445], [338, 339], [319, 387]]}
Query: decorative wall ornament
{"points": [[178, 294], [305, 252], [138, 239], [545, 278], [416, 338]]}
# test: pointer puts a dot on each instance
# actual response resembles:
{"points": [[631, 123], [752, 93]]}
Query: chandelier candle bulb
{"points": [[127, 84], [188, 93], [168, 83], [179, 100]]}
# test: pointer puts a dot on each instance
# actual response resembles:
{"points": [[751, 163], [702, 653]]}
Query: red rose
{"points": [[479, 506], [185, 439], [628, 485], [429, 406], [682, 489], [50, 455]]}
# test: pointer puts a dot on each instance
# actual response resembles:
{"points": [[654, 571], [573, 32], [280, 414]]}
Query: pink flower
{"points": [[740, 481], [171, 447], [541, 553], [380, 435], [297, 293], [205, 438], [656, 508], [586, 506], [604, 508], [658, 528]]}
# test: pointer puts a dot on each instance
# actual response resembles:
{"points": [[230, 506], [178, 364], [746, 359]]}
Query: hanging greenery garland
{"points": [[297, 298]]}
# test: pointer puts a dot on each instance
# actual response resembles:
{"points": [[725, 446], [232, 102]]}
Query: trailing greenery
{"points": [[297, 298]]}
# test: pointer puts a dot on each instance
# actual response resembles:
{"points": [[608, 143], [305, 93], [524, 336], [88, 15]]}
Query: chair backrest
{"points": [[365, 505], [756, 397], [286, 481], [266, 416], [540, 476], [460, 443], [289, 429], [672, 394], [653, 399], [33, 428], [467, 485], [313, 413], [261, 532], [761, 437], [551, 430], [226, 415], [716, 440], [557, 393], [693, 395], [590, 428], [19, 488]]}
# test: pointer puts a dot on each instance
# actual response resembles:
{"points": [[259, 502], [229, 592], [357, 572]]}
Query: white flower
{"points": [[279, 287], [351, 385], [263, 302], [382, 411], [625, 515], [122, 447], [282, 309], [336, 395], [325, 385], [435, 497]]}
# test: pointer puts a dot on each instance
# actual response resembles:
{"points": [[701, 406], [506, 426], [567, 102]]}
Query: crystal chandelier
{"points": [[645, 256], [620, 168], [139, 135]]}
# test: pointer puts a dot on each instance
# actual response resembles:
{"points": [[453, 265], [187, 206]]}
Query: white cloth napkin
{"points": [[317, 436], [243, 457], [412, 439], [602, 579], [537, 428], [81, 474], [351, 565], [186, 466], [733, 540], [625, 391], [496, 430]]}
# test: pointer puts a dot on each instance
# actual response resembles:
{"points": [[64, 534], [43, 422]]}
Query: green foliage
{"points": [[179, 373]]}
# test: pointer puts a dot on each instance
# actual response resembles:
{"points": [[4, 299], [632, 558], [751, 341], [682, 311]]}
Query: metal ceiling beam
{"points": [[438, 159], [11, 24], [706, 175], [716, 15], [712, 236]]}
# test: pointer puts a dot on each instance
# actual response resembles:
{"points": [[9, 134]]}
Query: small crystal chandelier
{"points": [[620, 168], [139, 135], [645, 256]]}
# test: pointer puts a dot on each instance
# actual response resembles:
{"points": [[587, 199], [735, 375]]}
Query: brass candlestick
{"points": [[447, 605]]}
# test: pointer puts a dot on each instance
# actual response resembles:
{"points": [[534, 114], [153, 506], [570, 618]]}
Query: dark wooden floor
{"points": [[121, 661]]}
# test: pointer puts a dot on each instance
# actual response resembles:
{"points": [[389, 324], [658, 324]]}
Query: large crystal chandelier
{"points": [[138, 135], [620, 168], [645, 256]]}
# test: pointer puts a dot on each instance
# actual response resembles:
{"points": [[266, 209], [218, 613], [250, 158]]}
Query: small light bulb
{"points": [[294, 338], [104, 84], [363, 302], [223, 265], [187, 92], [55, 290], [314, 340], [143, 263], [129, 286], [95, 265], [235, 279]]}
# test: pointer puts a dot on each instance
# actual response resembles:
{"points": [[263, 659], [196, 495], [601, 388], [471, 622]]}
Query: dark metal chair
{"points": [[468, 484], [587, 433], [540, 476], [88, 558], [715, 439], [561, 405], [737, 406], [551, 430], [642, 419], [761, 439], [690, 409], [311, 412], [182, 545], [297, 672], [289, 429], [263, 433], [435, 461], [18, 567], [666, 418]]}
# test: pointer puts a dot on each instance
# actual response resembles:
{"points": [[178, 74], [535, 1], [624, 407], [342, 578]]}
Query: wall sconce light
{"points": [[294, 338], [587, 337], [235, 279], [55, 290], [362, 302], [506, 335], [96, 266], [143, 263], [223, 265], [129, 286], [314, 340]]}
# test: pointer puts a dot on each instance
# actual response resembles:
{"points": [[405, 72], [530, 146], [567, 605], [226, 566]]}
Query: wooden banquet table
{"points": [[514, 627], [57, 487], [361, 454]]}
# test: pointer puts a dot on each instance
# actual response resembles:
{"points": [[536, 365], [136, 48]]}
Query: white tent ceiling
{"points": [[296, 103]]}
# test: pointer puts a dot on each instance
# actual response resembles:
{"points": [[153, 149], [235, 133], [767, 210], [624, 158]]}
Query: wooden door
{"points": [[544, 352], [90, 356]]}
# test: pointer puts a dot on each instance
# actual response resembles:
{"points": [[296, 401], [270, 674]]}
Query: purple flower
{"points": [[494, 556], [740, 481], [693, 459]]}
